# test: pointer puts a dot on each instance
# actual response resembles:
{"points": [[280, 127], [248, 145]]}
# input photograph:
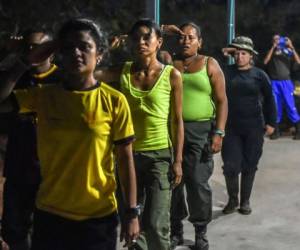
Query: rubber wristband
{"points": [[219, 132]]}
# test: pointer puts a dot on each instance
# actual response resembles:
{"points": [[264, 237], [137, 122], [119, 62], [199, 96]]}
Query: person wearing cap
{"points": [[246, 87], [279, 62]]}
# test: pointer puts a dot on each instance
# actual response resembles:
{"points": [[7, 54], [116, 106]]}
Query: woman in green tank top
{"points": [[204, 115], [154, 94]]}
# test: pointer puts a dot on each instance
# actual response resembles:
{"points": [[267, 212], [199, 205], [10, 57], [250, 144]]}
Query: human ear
{"points": [[160, 41], [200, 41], [99, 58]]}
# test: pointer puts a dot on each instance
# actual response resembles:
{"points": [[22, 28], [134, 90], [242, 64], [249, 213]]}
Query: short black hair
{"points": [[192, 24], [147, 22], [84, 24], [37, 29]]}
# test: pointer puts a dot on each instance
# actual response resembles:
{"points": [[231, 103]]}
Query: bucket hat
{"points": [[243, 42]]}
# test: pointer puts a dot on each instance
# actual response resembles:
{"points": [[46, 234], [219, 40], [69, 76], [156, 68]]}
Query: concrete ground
{"points": [[275, 221]]}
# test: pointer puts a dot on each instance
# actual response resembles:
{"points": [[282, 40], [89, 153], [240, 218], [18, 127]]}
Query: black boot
{"points": [[276, 133], [23, 245], [297, 133], [201, 241], [246, 188], [176, 240], [232, 184], [176, 233]]}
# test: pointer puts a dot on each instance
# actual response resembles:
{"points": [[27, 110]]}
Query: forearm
{"points": [[296, 56], [270, 112], [127, 176], [269, 55], [221, 113], [177, 139], [9, 79]]}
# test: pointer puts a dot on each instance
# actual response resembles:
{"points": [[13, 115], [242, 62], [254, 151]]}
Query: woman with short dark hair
{"points": [[81, 122]]}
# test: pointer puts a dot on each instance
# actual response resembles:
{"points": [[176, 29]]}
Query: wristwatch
{"points": [[133, 212], [219, 132]]}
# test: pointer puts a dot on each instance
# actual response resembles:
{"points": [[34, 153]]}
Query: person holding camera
{"points": [[279, 61]]}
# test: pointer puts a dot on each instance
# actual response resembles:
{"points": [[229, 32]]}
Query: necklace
{"points": [[191, 60]]}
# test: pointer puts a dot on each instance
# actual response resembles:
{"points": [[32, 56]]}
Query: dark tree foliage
{"points": [[259, 19]]}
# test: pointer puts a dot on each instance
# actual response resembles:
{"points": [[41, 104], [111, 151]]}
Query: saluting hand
{"points": [[171, 30]]}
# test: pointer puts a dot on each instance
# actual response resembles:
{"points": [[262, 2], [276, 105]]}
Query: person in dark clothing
{"points": [[21, 169], [247, 89], [296, 81], [279, 61]]}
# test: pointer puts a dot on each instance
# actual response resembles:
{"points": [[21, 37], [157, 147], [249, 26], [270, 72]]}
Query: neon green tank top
{"points": [[150, 110], [197, 96]]}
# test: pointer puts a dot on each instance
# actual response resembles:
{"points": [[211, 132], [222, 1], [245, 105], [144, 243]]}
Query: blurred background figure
{"points": [[279, 62], [22, 170]]}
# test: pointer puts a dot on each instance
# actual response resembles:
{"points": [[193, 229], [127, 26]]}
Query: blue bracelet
{"points": [[219, 132]]}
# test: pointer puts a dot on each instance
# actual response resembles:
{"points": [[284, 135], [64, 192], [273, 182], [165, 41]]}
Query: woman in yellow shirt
{"points": [[80, 123]]}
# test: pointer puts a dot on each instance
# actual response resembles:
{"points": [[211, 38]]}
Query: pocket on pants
{"points": [[164, 182]]}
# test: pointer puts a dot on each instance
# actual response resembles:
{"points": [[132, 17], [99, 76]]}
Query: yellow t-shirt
{"points": [[76, 134]]}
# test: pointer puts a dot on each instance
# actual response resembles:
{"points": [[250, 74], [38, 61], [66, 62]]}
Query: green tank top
{"points": [[150, 110], [197, 96]]}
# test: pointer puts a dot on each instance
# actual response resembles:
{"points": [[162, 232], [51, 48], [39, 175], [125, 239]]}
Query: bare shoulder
{"points": [[175, 78], [108, 74], [213, 66], [212, 62], [175, 73]]}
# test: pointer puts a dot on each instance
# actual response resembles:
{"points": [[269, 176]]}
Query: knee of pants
{"points": [[157, 228], [199, 197], [200, 174], [248, 170], [231, 170], [158, 224]]}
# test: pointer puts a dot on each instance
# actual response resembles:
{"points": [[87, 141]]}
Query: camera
{"points": [[282, 42], [282, 45]]}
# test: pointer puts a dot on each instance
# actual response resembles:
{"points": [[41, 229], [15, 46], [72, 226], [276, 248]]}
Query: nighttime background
{"points": [[258, 19]]}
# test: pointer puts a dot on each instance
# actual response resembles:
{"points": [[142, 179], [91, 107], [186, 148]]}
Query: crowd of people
{"points": [[149, 126]]}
